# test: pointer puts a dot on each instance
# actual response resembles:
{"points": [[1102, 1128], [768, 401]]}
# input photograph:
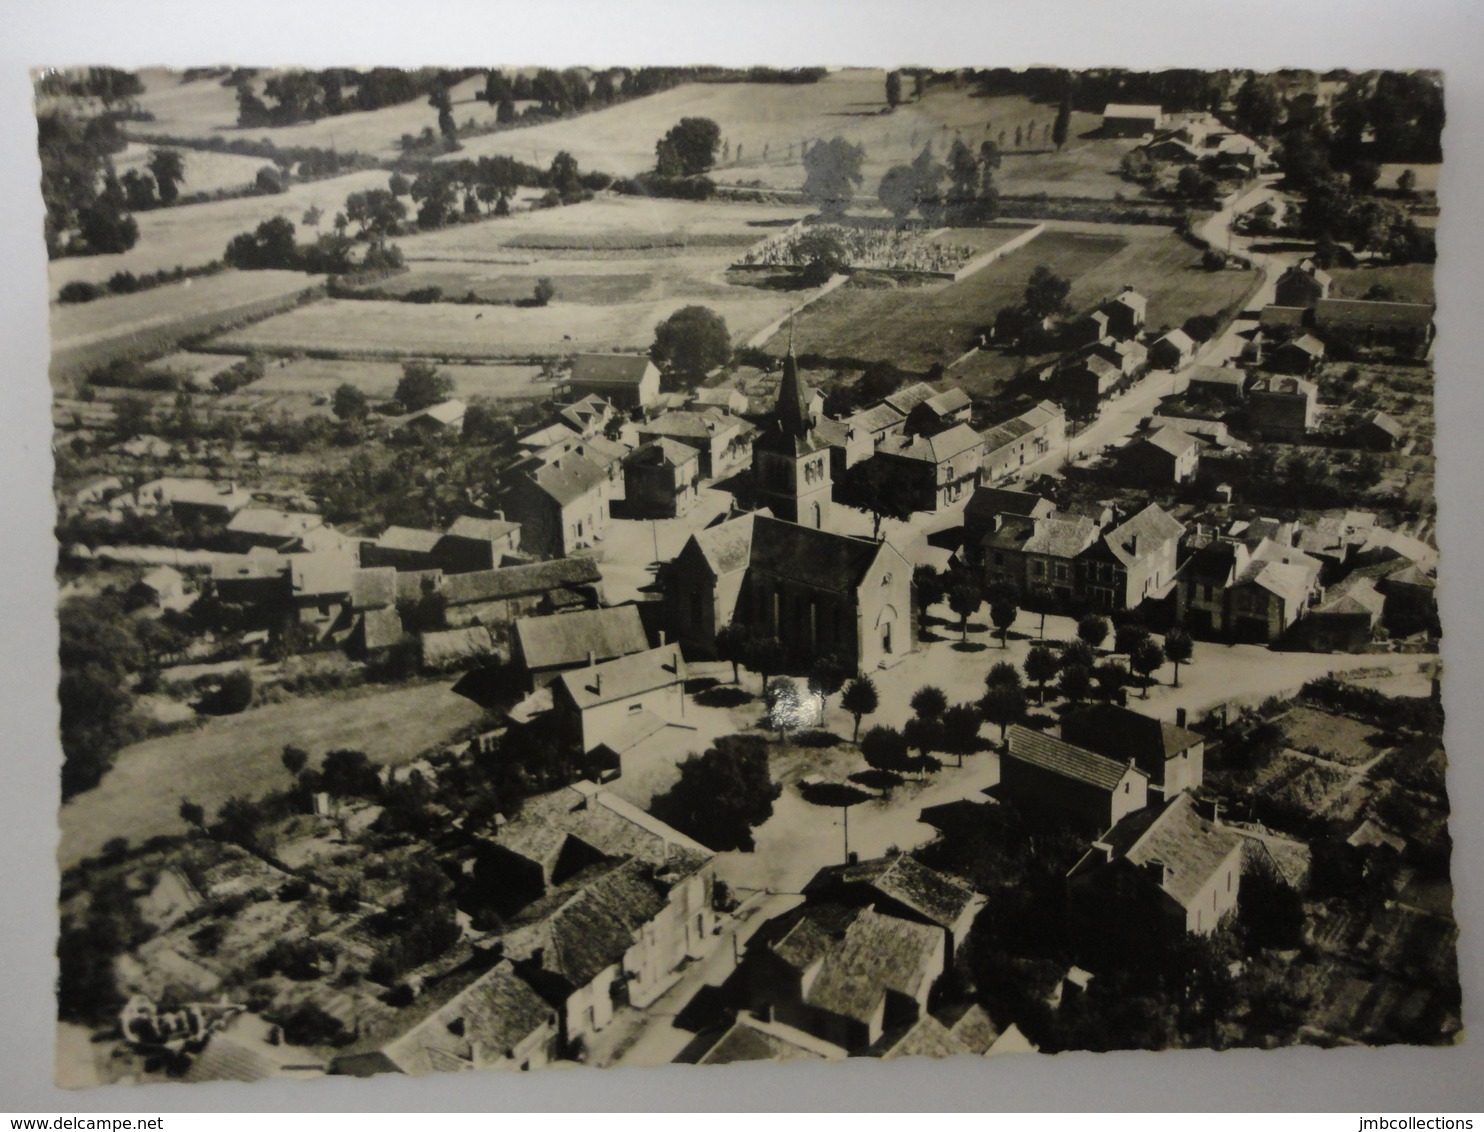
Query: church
{"points": [[791, 460]]}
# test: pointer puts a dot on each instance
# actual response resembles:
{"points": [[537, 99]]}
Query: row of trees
{"points": [[971, 195]]}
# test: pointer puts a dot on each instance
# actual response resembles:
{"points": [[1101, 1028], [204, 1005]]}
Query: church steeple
{"points": [[791, 410]]}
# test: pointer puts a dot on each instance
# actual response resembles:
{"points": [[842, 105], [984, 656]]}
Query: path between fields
{"points": [[240, 756]]}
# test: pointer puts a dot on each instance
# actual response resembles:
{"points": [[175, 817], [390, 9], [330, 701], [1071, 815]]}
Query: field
{"points": [[205, 108], [238, 756], [205, 172], [777, 120], [85, 334], [917, 326], [1412, 282], [320, 377], [195, 234], [1334, 738]]}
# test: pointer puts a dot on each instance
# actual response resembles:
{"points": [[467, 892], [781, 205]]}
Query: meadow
{"points": [[205, 172], [1411, 282], [320, 377]]}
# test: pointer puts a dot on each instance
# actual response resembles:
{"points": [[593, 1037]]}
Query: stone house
{"points": [[1172, 757], [1136, 561], [1050, 779], [661, 479], [625, 381]]}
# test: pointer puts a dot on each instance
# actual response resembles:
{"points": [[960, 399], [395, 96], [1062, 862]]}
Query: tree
{"points": [[1002, 705], [690, 343], [928, 173], [874, 487], [1040, 666], [1093, 629], [961, 730], [1127, 637], [564, 175], [422, 385], [928, 702], [691, 144], [1178, 649], [1002, 675], [1193, 184], [1146, 660], [928, 588], [167, 167], [233, 695], [269, 181], [1046, 293], [822, 256], [784, 704], [722, 794], [924, 736], [964, 598], [349, 403], [139, 190], [398, 185], [269, 247], [1075, 682], [894, 89], [544, 291], [441, 101], [1110, 677], [765, 655], [193, 814], [294, 759], [859, 699], [898, 191], [1406, 182], [106, 228], [885, 749], [379, 212], [1002, 613], [1063, 119], [827, 676], [832, 173]]}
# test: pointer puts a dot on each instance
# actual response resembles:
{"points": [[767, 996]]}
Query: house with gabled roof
{"points": [[1380, 432], [1302, 285], [496, 597], [592, 702], [1051, 779], [495, 1021], [1297, 356], [1404, 328], [626, 381], [561, 506], [661, 479], [818, 592], [1037, 555], [899, 885], [1158, 874], [1010, 446], [444, 417], [1163, 455], [907, 398], [750, 1038], [940, 468], [940, 411], [547, 646], [263, 528], [1135, 562], [1248, 586], [1283, 408], [1128, 120], [1172, 757], [586, 416], [844, 974], [720, 439], [1173, 351], [1226, 384], [1120, 318]]}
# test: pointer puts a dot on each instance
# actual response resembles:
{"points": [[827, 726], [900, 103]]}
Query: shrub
{"points": [[79, 291]]}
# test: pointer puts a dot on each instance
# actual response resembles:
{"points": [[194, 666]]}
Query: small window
{"points": [[635, 709], [886, 578]]}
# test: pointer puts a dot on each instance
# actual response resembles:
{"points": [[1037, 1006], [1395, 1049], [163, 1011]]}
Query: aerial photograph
{"points": [[620, 566]]}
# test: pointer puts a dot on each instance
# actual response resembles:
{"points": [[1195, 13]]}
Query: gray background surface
{"points": [[1136, 33]]}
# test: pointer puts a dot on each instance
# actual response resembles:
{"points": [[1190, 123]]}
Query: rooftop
{"points": [[1064, 759], [1144, 534], [626, 369], [1120, 734], [626, 676], [518, 581], [565, 639], [1190, 847], [752, 1039], [805, 554], [937, 897]]}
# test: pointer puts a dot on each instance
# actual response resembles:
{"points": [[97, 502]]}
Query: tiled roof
{"points": [[1174, 441], [562, 639], [1369, 313], [280, 524], [934, 449], [548, 436], [1132, 110], [373, 587], [1120, 734], [409, 538], [1062, 538], [321, 573], [976, 1029], [1385, 423], [626, 368], [1217, 375], [1190, 847], [949, 401], [991, 501], [444, 413], [819, 558], [484, 530], [877, 418], [1064, 759], [927, 1037], [908, 398], [1140, 536], [683, 423], [381, 628], [751, 1039], [878, 953], [658, 453], [569, 478], [517, 581], [1180, 340], [727, 546], [937, 897], [627, 676]]}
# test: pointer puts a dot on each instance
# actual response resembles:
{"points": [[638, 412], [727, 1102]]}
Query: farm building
{"points": [[1125, 120], [497, 597], [940, 412], [626, 381], [561, 506], [1173, 351], [660, 479], [547, 646], [193, 499], [1405, 329], [1008, 447], [444, 417], [1227, 384], [1380, 431], [1297, 356], [283, 532], [1156, 875], [1049, 778]]}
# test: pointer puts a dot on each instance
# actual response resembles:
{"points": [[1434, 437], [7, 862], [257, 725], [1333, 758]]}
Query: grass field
{"points": [[207, 109], [87, 334], [321, 376], [199, 233], [205, 172], [1412, 282], [238, 756], [848, 103]]}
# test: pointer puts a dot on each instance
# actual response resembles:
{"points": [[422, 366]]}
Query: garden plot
{"points": [[1407, 282], [1334, 738]]}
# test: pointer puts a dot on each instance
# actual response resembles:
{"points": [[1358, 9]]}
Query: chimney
{"points": [[1179, 717], [662, 638], [1155, 871], [592, 659], [598, 683], [852, 858], [1105, 849], [1209, 807]]}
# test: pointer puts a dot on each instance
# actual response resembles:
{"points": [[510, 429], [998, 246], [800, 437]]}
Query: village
{"points": [[834, 608]]}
